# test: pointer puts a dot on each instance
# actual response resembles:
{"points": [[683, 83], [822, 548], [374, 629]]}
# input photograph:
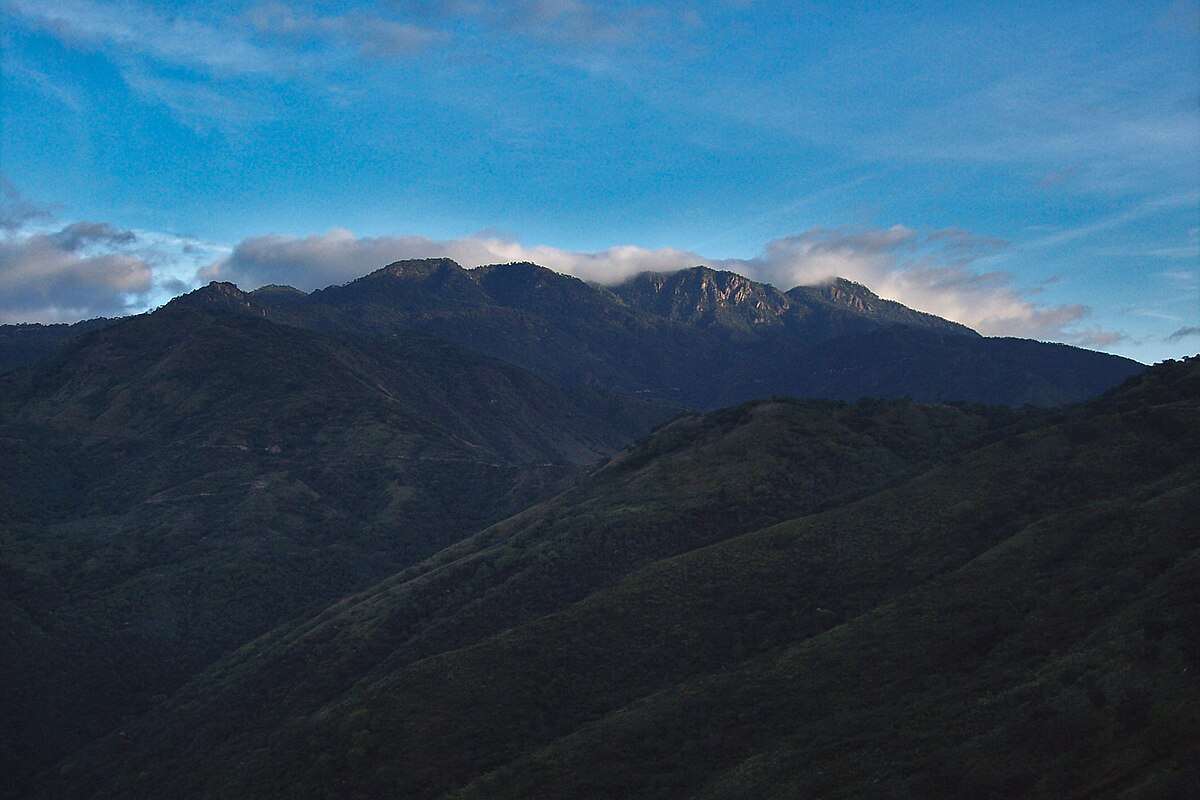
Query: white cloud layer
{"points": [[928, 271], [51, 273], [52, 278]]}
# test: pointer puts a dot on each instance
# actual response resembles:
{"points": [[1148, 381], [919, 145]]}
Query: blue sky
{"points": [[1029, 169]]}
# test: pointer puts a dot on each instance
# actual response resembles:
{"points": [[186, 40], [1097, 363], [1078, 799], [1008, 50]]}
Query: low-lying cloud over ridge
{"points": [[51, 272], [64, 273], [930, 271]]}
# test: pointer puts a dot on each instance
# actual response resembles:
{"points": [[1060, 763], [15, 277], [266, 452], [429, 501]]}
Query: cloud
{"points": [[1095, 338], [569, 22], [136, 30], [1136, 212], [1056, 177], [89, 268], [572, 21], [63, 273], [79, 235], [929, 271], [17, 71], [211, 67], [17, 211], [1187, 332], [967, 242], [201, 106], [230, 70], [318, 260], [43, 277], [369, 34]]}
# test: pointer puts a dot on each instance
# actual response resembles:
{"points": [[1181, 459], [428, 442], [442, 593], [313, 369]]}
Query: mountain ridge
{"points": [[699, 338]]}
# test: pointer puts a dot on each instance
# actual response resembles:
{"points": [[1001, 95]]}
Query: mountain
{"points": [[783, 599], [180, 482], [697, 338], [26, 342], [709, 298], [232, 531]]}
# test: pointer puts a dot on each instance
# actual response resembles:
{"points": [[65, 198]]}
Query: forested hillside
{"points": [[182, 482], [784, 599]]}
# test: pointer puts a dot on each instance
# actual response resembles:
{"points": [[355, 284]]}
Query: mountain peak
{"points": [[705, 296], [848, 293], [521, 271], [720, 280], [217, 294], [277, 289], [218, 288], [416, 267]]}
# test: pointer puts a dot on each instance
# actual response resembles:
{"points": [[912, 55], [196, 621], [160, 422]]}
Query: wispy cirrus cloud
{"points": [[1186, 332], [571, 22], [210, 66], [139, 31], [288, 41], [1098, 100], [368, 34]]}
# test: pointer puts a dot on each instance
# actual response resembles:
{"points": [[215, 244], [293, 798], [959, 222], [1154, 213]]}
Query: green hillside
{"points": [[777, 600], [179, 483]]}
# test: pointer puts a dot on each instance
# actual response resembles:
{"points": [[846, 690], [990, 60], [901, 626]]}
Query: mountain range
{"points": [[500, 533], [697, 338]]}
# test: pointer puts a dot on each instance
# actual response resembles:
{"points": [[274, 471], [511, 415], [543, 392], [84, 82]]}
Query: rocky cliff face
{"points": [[218, 295], [706, 297], [710, 298], [850, 294]]}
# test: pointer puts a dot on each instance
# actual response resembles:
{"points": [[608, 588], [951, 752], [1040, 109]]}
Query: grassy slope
{"points": [[182, 482], [1055, 662], [1018, 620]]}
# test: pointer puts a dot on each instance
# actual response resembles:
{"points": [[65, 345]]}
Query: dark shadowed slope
{"points": [[181, 482], [899, 362], [24, 343], [1017, 619]]}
